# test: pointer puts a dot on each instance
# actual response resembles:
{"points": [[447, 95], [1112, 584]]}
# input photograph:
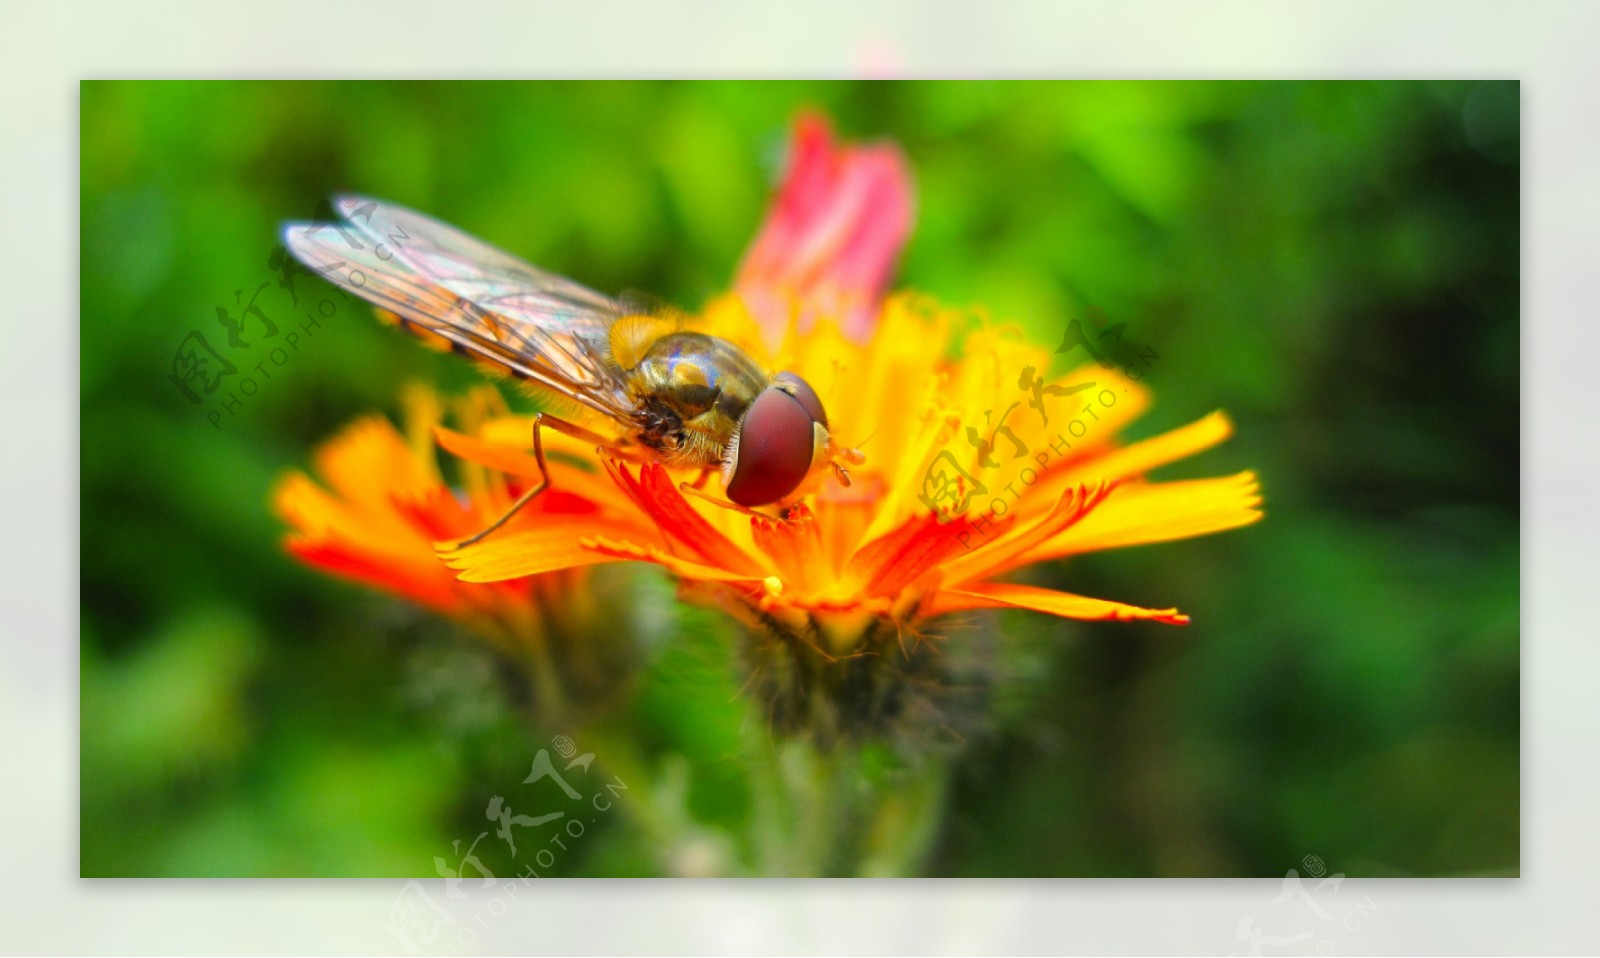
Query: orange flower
{"points": [[385, 505], [876, 547], [847, 573], [977, 465]]}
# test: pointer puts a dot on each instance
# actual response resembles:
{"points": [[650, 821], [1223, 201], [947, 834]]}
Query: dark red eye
{"points": [[804, 393], [772, 450]]}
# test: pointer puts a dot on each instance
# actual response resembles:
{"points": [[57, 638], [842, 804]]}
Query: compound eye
{"points": [[771, 452], [803, 392]]}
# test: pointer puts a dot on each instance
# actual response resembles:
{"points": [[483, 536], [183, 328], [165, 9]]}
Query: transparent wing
{"points": [[485, 302]]}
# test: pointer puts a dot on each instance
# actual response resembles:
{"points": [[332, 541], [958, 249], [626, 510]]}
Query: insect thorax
{"points": [[691, 391]]}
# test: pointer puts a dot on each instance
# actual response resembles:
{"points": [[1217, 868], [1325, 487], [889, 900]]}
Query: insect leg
{"points": [[698, 493], [604, 446], [541, 421], [570, 429], [853, 457]]}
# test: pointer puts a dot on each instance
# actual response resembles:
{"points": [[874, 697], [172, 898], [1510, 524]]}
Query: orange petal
{"points": [[417, 577], [370, 447], [556, 543], [1000, 595], [315, 513], [497, 456], [795, 547], [997, 553], [891, 562], [436, 514], [685, 568], [1138, 513], [654, 492]]}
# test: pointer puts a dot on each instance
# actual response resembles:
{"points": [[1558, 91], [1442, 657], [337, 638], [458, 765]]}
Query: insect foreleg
{"points": [[705, 476], [571, 429], [541, 421], [695, 490]]}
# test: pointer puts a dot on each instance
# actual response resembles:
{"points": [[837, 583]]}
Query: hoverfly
{"points": [[681, 398]]}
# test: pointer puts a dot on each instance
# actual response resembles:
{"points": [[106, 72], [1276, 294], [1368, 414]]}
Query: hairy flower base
{"points": [[838, 679]]}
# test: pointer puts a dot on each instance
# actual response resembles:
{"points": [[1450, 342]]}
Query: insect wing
{"points": [[563, 321], [468, 266], [484, 301]]}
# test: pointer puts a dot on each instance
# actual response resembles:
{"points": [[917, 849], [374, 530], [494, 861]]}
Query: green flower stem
{"points": [[824, 813], [615, 752], [906, 824]]}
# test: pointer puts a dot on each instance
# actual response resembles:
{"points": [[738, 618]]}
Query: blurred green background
{"points": [[1335, 264]]}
